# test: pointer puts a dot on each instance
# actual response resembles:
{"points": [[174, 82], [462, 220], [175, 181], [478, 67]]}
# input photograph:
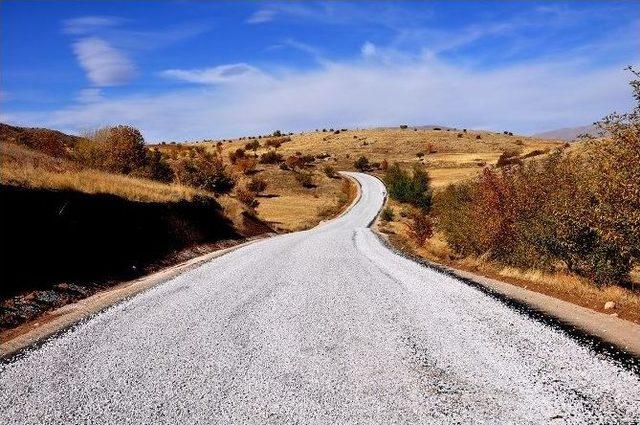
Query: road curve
{"points": [[322, 326]]}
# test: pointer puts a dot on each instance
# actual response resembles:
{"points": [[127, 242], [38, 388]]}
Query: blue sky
{"points": [[190, 70]]}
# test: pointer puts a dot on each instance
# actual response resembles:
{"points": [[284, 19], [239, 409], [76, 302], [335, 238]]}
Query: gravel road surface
{"points": [[324, 326]]}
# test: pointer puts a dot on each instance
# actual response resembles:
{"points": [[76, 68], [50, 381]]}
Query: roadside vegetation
{"points": [[566, 221], [576, 209]]}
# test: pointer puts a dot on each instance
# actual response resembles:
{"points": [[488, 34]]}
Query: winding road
{"points": [[323, 326]]}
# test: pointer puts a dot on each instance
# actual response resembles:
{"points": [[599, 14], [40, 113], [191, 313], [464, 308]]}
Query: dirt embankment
{"points": [[59, 246]]}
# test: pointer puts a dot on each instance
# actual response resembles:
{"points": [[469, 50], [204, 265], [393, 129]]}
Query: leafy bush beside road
{"points": [[412, 188], [580, 210]]}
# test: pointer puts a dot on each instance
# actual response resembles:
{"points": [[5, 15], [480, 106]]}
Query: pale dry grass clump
{"points": [[26, 168]]}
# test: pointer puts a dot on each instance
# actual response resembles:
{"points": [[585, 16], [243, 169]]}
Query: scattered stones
{"points": [[609, 305]]}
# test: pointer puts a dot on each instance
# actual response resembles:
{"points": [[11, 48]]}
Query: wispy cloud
{"points": [[524, 98], [105, 65], [215, 75], [261, 16], [89, 24], [390, 15]]}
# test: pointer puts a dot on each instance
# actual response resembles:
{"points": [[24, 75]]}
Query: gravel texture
{"points": [[323, 326]]}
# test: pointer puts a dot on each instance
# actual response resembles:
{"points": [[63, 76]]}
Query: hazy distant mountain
{"points": [[569, 133]]}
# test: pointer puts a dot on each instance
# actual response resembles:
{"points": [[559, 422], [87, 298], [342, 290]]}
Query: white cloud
{"points": [[261, 16], [89, 24], [524, 98], [368, 49], [216, 75], [105, 65]]}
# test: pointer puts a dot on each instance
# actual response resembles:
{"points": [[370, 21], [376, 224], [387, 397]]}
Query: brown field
{"points": [[563, 285]]}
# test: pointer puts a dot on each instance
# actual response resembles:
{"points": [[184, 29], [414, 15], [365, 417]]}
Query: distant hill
{"points": [[569, 133]]}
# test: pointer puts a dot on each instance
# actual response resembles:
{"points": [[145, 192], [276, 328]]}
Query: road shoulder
{"points": [[621, 335]]}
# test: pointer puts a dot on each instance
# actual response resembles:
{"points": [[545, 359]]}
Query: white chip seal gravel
{"points": [[324, 326]]}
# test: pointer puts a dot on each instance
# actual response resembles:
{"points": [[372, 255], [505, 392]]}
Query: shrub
{"points": [[121, 149], [420, 228], [508, 158], [403, 126], [270, 157], [293, 162], [203, 170], [235, 155], [347, 189], [247, 197], [257, 185], [305, 180], [362, 163], [276, 142], [246, 165], [413, 189], [330, 171], [387, 214], [252, 146], [306, 160], [157, 168]]}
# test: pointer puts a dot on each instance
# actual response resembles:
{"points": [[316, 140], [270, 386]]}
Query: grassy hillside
{"points": [[29, 168], [449, 156]]}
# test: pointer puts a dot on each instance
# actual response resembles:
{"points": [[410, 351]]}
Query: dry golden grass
{"points": [[559, 284], [27, 168], [288, 206], [448, 157]]}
